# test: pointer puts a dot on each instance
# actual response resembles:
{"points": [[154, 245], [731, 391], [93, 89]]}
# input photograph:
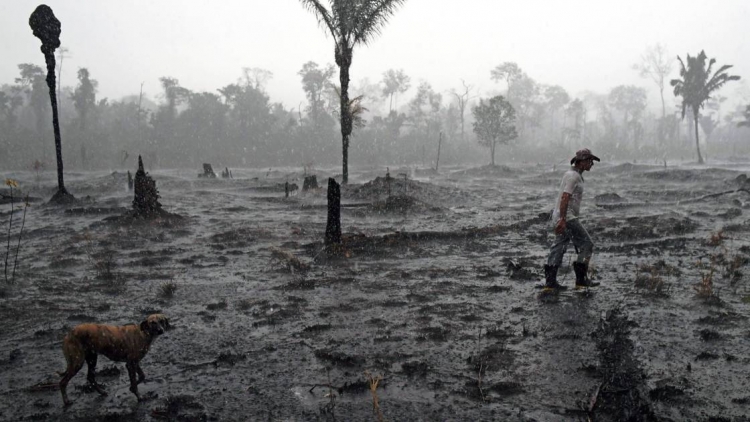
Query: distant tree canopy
{"points": [[494, 122], [315, 82], [631, 102], [656, 64], [509, 72], [696, 84], [239, 124], [84, 96], [33, 83], [394, 82]]}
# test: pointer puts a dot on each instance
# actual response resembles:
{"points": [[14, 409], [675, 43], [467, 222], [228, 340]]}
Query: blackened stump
{"points": [[310, 182], [333, 226], [208, 171], [130, 181], [146, 202]]}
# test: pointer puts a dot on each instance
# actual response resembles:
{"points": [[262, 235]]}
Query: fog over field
{"points": [[135, 52], [337, 210]]}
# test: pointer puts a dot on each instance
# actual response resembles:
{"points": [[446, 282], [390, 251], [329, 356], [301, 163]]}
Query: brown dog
{"points": [[127, 343]]}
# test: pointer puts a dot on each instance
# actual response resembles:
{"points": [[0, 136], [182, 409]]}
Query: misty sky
{"points": [[576, 44]]}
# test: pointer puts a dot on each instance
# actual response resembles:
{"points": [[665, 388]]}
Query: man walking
{"points": [[568, 226]]}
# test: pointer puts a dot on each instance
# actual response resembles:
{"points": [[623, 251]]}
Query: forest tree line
{"points": [[240, 125]]}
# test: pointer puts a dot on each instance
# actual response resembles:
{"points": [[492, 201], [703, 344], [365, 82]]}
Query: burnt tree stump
{"points": [[333, 226], [208, 171], [310, 182], [146, 202], [130, 181]]}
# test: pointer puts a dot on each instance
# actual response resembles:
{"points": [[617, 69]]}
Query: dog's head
{"points": [[155, 324]]}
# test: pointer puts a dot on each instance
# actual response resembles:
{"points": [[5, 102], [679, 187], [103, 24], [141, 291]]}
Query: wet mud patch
{"points": [[316, 329], [415, 369], [182, 408], [441, 277], [95, 211], [401, 204], [622, 395], [647, 227], [162, 219], [689, 175], [338, 358], [723, 319], [434, 333]]}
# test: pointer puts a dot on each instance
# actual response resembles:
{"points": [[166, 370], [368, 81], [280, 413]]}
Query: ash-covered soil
{"points": [[440, 302]]}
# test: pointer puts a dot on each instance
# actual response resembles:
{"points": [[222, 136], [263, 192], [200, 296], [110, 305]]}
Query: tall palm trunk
{"points": [[344, 61], [697, 141]]}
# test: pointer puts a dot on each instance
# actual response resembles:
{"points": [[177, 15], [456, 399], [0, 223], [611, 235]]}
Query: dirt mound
{"points": [[648, 227], [486, 171], [688, 175], [99, 185], [403, 204], [626, 168], [381, 188], [608, 198]]}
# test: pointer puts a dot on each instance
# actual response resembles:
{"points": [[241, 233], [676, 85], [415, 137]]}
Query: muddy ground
{"points": [[435, 294]]}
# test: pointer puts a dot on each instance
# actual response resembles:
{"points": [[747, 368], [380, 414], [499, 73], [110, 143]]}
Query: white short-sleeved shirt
{"points": [[572, 183]]}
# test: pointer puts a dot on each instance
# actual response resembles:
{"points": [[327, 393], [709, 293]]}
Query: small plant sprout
{"points": [[373, 383], [20, 235], [705, 289], [649, 279], [716, 239], [167, 289]]}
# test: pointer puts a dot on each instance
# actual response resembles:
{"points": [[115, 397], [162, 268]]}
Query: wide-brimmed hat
{"points": [[584, 154]]}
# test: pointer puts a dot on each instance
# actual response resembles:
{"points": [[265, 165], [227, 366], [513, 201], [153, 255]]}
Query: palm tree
{"points": [[350, 23], [696, 86]]}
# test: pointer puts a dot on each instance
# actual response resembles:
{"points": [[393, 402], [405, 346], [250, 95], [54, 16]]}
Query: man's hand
{"points": [[560, 227]]}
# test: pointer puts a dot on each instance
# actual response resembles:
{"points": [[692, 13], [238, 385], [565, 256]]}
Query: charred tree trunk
{"points": [[51, 83], [146, 201], [46, 27], [333, 226]]}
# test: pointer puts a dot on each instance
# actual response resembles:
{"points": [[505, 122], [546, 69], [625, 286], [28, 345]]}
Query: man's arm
{"points": [[560, 227]]}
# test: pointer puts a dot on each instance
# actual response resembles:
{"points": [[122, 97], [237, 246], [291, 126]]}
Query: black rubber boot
{"points": [[582, 280], [550, 276]]}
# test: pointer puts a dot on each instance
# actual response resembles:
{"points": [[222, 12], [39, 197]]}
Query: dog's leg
{"points": [[73, 352], [91, 376], [132, 365], [141, 375]]}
